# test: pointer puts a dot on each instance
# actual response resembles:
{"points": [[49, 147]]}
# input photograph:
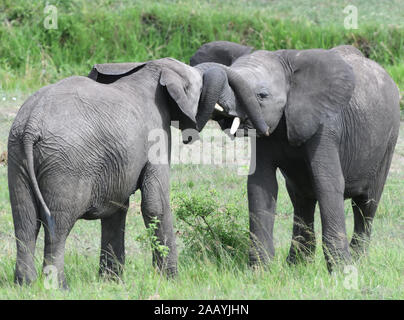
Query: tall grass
{"points": [[380, 274], [99, 31]]}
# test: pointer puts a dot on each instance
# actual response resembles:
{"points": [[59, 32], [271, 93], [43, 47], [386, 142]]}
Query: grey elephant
{"points": [[329, 120], [79, 148]]}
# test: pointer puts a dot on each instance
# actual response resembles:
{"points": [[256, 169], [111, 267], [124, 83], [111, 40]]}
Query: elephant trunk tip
{"points": [[263, 128]]}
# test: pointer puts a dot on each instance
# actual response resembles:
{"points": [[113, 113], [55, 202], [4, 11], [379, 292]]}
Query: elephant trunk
{"points": [[214, 80], [215, 77], [248, 101]]}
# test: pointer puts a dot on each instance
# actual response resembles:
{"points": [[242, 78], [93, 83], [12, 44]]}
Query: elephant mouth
{"points": [[232, 123]]}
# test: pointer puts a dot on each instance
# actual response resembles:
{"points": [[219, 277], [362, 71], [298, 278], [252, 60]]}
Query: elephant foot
{"points": [[300, 254], [64, 286], [169, 270], [170, 273], [299, 258], [259, 259], [111, 268], [53, 280], [337, 260], [166, 265], [24, 275], [359, 246], [111, 273], [20, 279]]}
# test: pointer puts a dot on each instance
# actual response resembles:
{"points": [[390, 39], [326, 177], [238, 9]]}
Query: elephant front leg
{"points": [[262, 195], [303, 243], [112, 256], [157, 214], [329, 186]]}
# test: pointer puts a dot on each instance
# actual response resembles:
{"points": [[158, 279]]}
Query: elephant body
{"points": [[79, 148], [99, 165], [365, 147], [333, 117]]}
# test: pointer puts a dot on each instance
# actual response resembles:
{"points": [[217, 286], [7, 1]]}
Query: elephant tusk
{"points": [[235, 125], [219, 108]]}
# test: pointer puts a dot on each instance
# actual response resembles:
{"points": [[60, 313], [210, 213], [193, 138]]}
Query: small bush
{"points": [[209, 230], [148, 239]]}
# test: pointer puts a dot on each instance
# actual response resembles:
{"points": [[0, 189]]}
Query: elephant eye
{"points": [[262, 95]]}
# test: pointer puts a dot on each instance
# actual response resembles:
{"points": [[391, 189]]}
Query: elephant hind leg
{"points": [[66, 200], [155, 189], [364, 209], [365, 206], [54, 251], [112, 257], [26, 224]]}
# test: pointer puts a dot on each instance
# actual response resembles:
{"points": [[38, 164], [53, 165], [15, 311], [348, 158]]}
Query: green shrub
{"points": [[148, 239], [209, 230]]}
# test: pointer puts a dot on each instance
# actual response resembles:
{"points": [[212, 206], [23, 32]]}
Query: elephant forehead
{"points": [[253, 73], [268, 73]]}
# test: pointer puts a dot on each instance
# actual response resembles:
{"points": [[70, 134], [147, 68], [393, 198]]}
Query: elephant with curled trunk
{"points": [[328, 120], [80, 147]]}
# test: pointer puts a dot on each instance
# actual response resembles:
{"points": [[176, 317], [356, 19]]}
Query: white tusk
{"points": [[235, 125], [219, 108]]}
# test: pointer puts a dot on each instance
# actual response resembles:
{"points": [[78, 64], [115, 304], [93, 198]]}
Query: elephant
{"points": [[80, 147], [329, 121]]}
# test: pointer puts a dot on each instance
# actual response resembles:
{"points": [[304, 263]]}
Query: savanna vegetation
{"points": [[209, 201]]}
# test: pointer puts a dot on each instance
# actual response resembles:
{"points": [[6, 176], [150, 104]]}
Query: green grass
{"points": [[31, 56], [380, 274], [103, 30]]}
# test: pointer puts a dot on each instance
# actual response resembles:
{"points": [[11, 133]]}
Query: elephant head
{"points": [[306, 87], [190, 105], [223, 52]]}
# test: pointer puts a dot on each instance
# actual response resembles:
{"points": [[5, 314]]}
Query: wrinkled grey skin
{"points": [[79, 148], [333, 118]]}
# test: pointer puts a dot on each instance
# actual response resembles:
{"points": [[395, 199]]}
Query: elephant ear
{"points": [[223, 52], [110, 72], [184, 85], [321, 83]]}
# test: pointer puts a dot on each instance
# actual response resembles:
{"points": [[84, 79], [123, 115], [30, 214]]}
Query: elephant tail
{"points": [[29, 153]]}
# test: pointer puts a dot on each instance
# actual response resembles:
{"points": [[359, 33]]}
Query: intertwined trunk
{"points": [[215, 78]]}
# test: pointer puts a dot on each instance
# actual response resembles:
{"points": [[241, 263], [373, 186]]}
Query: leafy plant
{"points": [[148, 239], [209, 230]]}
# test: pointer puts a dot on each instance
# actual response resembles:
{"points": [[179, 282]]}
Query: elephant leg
{"points": [[26, 225], [155, 189], [329, 187], [262, 195], [365, 206], [54, 250], [112, 256], [303, 244], [364, 210]]}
